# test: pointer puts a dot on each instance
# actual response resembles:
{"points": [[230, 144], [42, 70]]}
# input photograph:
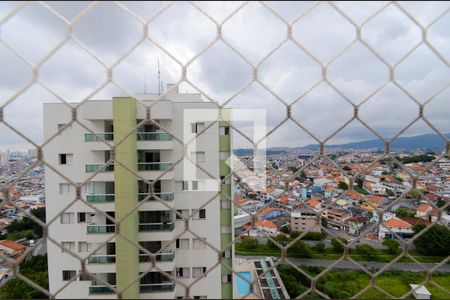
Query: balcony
{"points": [[144, 288], [165, 256], [91, 168], [166, 196], [106, 228], [100, 198], [102, 259], [111, 258], [157, 287], [154, 166], [94, 137], [153, 136], [157, 226], [100, 289]]}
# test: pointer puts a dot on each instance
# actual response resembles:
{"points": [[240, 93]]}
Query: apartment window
{"points": [[225, 229], [198, 272], [199, 243], [197, 127], [195, 185], [68, 246], [68, 274], [84, 246], [81, 217], [182, 243], [181, 186], [198, 156], [200, 214], [183, 273], [184, 214], [224, 130], [65, 159], [68, 218], [64, 188], [226, 253], [225, 204], [226, 278], [223, 155]]}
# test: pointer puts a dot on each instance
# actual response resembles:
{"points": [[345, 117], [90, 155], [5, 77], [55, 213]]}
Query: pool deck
{"points": [[241, 265]]}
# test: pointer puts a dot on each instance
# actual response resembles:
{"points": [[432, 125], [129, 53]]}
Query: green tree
{"points": [[342, 185], [35, 269], [27, 224], [319, 247], [435, 241], [403, 212], [392, 246], [418, 228], [293, 169], [294, 234], [346, 168], [359, 181], [367, 250], [285, 229], [280, 239], [415, 194], [300, 249], [249, 243], [337, 246], [390, 193]]}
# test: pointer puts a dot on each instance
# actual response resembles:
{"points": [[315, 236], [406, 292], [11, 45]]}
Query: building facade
{"points": [[119, 223]]}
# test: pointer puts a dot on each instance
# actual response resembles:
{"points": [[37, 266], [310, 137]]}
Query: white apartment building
{"points": [[3, 158], [109, 251]]}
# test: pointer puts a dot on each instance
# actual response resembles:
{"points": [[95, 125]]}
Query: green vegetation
{"points": [[404, 212], [390, 193], [415, 194], [346, 168], [435, 241], [343, 284], [392, 246], [338, 246], [416, 158], [26, 228], [343, 186], [361, 191], [367, 251], [313, 236], [35, 269], [293, 169]]}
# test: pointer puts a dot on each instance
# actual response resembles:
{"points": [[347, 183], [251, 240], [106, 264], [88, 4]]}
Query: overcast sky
{"points": [[254, 31]]}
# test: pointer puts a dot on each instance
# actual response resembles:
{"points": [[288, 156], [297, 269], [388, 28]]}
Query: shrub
{"points": [[435, 241], [392, 246]]}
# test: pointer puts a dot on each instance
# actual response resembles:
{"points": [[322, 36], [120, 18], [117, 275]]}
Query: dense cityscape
{"points": [[308, 204]]}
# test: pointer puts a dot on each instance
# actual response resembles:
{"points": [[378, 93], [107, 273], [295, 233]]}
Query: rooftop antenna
{"points": [[159, 80]]}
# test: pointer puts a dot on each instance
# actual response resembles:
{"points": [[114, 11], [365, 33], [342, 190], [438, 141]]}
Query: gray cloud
{"points": [[183, 31]]}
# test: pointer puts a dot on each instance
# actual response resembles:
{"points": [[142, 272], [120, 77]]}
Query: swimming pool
{"points": [[243, 287]]}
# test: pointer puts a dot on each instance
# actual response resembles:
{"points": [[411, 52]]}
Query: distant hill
{"points": [[418, 142], [424, 141]]}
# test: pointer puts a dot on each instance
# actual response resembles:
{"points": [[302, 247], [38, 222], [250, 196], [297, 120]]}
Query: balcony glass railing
{"points": [[97, 167], [91, 137], [100, 198], [154, 166], [157, 287], [101, 228], [102, 259], [100, 289], [165, 256], [166, 196], [153, 136], [157, 226]]}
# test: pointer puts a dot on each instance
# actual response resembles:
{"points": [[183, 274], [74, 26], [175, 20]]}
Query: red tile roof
{"points": [[12, 245]]}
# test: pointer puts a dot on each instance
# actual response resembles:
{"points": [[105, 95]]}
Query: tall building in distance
{"points": [[111, 252], [3, 157]]}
